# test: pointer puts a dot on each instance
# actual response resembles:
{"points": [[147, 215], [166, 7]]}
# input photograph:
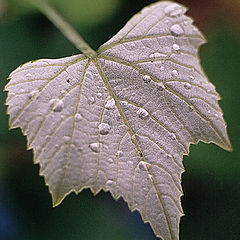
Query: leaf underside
{"points": [[123, 120]]}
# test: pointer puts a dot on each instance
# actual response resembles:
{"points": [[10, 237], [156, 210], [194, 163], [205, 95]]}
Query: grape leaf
{"points": [[122, 120]]}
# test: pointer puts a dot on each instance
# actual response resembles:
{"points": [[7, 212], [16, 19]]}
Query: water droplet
{"points": [[160, 86], [143, 166], [190, 108], [110, 160], [162, 68], [28, 75], [176, 47], [146, 78], [209, 112], [94, 147], [169, 156], [208, 90], [173, 10], [66, 139], [191, 77], [21, 90], [88, 74], [175, 73], [104, 128], [78, 117], [173, 136], [99, 95], [109, 183], [187, 86], [119, 153], [156, 55], [32, 94], [176, 30], [142, 113], [47, 138], [91, 100], [110, 104], [58, 105]]}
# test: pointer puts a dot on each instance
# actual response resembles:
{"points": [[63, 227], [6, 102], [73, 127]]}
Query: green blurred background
{"points": [[212, 180]]}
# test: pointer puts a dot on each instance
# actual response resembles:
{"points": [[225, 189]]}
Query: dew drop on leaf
{"points": [[110, 160], [28, 75], [173, 136], [190, 108], [160, 86], [187, 86], [78, 117], [119, 153], [104, 128], [47, 138], [176, 47], [142, 113], [146, 78], [109, 183], [88, 74], [32, 94], [110, 104], [176, 30], [58, 105], [142, 166], [94, 147], [175, 73], [91, 100]]}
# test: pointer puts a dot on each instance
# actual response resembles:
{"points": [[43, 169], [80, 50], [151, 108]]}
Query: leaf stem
{"points": [[68, 31]]}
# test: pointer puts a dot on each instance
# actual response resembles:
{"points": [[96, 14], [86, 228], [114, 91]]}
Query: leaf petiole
{"points": [[68, 31]]}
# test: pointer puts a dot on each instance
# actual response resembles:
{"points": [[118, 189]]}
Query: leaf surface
{"points": [[122, 121]]}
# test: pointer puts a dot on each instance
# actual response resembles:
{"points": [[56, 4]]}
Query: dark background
{"points": [[212, 180]]}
